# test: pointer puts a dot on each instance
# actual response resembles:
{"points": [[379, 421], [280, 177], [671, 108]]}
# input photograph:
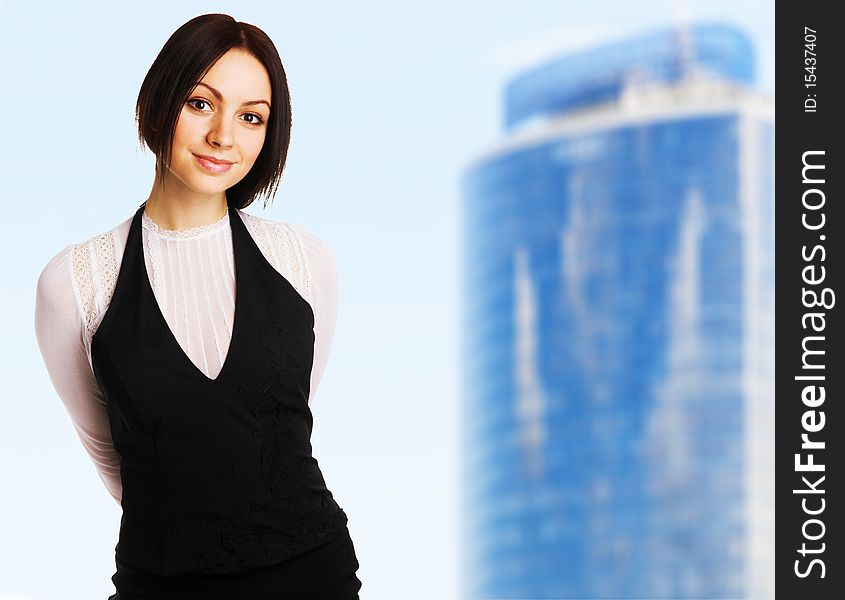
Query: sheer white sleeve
{"points": [[60, 329], [322, 271]]}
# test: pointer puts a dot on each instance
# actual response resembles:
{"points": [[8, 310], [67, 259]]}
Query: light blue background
{"points": [[390, 102]]}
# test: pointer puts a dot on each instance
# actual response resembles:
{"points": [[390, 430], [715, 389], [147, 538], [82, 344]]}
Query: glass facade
{"points": [[600, 74], [618, 315]]}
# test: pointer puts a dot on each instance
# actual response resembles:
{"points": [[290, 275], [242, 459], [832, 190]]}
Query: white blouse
{"points": [[192, 275]]}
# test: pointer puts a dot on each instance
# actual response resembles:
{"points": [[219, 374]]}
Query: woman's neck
{"points": [[177, 211]]}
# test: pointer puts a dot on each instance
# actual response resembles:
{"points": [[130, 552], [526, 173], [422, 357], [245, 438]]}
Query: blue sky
{"points": [[390, 102]]}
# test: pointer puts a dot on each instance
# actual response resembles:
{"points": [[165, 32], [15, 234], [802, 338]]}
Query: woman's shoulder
{"points": [[295, 250], [82, 275], [303, 233], [82, 255], [291, 233]]}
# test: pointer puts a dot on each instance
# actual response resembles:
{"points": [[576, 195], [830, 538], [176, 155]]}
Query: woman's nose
{"points": [[220, 133]]}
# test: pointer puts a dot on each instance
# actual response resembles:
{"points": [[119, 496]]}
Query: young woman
{"points": [[188, 341]]}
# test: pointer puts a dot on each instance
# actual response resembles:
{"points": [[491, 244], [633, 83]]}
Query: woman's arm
{"points": [[60, 330], [322, 267]]}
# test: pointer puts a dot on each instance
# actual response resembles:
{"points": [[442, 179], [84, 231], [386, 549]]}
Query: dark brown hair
{"points": [[185, 58]]}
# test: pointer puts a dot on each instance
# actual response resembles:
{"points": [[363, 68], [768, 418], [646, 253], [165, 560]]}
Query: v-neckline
{"points": [[173, 339]]}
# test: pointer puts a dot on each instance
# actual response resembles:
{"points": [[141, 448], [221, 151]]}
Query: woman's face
{"points": [[225, 117]]}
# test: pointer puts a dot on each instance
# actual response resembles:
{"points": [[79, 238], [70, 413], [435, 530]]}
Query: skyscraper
{"points": [[618, 328]]}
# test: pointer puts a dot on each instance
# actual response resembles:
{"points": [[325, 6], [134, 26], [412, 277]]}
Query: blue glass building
{"points": [[618, 329]]}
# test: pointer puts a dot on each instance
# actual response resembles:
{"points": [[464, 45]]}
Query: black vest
{"points": [[217, 474]]}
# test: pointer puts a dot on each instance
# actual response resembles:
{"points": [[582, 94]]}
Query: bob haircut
{"points": [[185, 59]]}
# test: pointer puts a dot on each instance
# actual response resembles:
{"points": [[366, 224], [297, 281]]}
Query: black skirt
{"points": [[327, 571]]}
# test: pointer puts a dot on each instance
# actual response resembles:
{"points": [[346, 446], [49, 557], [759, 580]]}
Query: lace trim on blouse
{"points": [[95, 268], [180, 234]]}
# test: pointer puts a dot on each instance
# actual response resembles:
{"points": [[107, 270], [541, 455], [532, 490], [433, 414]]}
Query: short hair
{"points": [[185, 59]]}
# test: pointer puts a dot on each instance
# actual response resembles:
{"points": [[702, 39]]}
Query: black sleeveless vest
{"points": [[217, 474]]}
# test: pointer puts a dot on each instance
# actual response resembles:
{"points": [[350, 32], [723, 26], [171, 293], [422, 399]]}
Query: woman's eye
{"points": [[258, 120], [194, 102]]}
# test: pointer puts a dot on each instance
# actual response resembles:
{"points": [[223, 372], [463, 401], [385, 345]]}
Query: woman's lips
{"points": [[213, 167]]}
